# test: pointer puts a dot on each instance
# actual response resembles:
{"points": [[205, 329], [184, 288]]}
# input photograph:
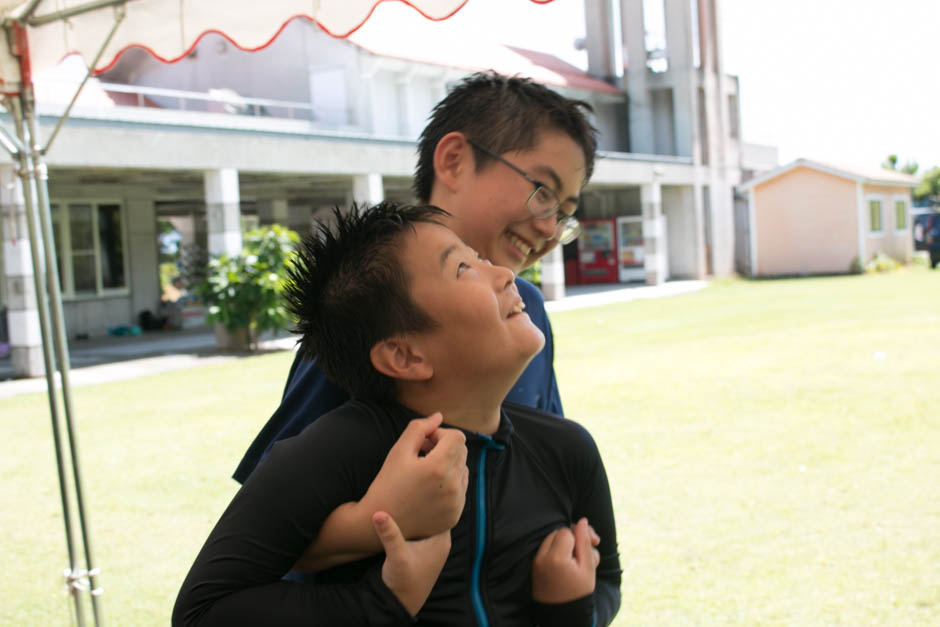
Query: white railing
{"points": [[228, 101], [224, 101]]}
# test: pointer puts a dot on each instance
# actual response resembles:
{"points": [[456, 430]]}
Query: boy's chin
{"points": [[535, 341]]}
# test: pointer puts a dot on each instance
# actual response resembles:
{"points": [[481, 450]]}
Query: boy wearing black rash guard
{"points": [[412, 322]]}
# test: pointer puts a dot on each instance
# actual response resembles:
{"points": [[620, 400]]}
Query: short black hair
{"points": [[348, 290], [502, 113]]}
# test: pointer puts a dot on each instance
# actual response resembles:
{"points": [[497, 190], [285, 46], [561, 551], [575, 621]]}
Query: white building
{"points": [[226, 137]]}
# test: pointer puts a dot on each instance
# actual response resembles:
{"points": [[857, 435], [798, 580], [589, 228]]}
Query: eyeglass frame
{"points": [[566, 221]]}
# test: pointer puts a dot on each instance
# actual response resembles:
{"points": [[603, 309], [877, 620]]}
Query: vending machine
{"points": [[631, 258], [597, 251]]}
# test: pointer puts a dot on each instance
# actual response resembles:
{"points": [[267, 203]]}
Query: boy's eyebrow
{"points": [[446, 253]]}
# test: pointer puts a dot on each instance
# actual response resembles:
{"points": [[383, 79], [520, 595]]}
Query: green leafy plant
{"points": [[882, 263], [533, 273], [243, 292], [856, 266]]}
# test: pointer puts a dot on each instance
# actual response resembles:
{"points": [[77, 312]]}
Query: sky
{"points": [[847, 81]]}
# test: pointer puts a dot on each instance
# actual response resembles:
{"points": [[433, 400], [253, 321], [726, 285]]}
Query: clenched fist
{"points": [[564, 566]]}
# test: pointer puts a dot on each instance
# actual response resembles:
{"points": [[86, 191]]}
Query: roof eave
{"points": [[819, 167]]}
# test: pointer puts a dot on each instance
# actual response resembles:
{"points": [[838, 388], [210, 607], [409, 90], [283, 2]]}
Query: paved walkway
{"points": [[118, 358]]}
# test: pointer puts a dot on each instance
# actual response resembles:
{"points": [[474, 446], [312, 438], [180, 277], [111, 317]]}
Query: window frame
{"points": [[63, 246], [895, 199], [869, 199]]}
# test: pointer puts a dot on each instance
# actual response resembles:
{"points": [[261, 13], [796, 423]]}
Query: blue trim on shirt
{"points": [[478, 609]]}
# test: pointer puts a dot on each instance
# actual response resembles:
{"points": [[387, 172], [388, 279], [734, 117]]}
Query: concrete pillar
{"points": [[366, 190], [223, 211], [683, 77], [640, 111], [144, 277], [714, 108], [553, 275], [22, 309], [698, 204], [604, 40], [654, 233], [404, 85], [721, 202]]}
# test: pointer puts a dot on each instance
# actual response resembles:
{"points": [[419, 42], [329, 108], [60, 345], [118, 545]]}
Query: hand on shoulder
{"points": [[425, 494]]}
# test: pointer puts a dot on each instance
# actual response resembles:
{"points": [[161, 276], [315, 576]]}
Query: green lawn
{"points": [[773, 449]]}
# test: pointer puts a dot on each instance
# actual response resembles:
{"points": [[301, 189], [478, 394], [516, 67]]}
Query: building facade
{"points": [[810, 217], [171, 161]]}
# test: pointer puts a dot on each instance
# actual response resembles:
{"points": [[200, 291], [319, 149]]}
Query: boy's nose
{"points": [[546, 226], [503, 276]]}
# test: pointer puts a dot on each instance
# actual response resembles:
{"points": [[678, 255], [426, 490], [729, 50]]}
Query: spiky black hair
{"points": [[348, 290]]}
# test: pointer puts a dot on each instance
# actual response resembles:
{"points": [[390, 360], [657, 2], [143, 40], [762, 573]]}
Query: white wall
{"points": [[93, 316], [385, 99], [144, 274], [679, 209]]}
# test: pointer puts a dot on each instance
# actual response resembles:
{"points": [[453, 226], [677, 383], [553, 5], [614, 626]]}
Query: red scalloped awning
{"points": [[170, 29]]}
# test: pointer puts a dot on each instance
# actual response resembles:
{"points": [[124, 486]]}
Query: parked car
{"points": [[919, 228]]}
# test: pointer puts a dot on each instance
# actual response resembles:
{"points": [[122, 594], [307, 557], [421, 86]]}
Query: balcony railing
{"points": [[103, 96], [213, 101]]}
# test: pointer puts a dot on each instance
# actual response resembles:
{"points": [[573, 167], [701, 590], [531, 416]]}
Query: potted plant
{"points": [[242, 293]]}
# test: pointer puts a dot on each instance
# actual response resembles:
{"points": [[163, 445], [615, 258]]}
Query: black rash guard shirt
{"points": [[535, 474]]}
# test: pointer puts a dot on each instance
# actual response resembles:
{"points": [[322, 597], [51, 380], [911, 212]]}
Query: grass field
{"points": [[773, 450]]}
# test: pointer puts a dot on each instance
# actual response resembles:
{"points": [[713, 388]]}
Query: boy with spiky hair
{"points": [[507, 158], [413, 321]]}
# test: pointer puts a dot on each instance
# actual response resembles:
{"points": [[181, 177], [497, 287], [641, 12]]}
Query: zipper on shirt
{"points": [[475, 594]]}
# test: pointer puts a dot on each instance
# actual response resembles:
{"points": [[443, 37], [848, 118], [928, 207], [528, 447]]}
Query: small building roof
{"points": [[870, 176]]}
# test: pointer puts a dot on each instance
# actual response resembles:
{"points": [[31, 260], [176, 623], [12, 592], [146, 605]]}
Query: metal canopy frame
{"points": [[25, 147]]}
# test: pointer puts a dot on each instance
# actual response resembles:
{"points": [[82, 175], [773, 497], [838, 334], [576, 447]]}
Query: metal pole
{"points": [[118, 18], [41, 176], [64, 14], [39, 280]]}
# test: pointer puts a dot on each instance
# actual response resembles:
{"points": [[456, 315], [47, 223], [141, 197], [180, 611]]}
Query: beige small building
{"points": [[810, 217]]}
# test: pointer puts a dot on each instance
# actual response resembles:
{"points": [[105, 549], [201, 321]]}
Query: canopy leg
{"points": [[39, 279]]}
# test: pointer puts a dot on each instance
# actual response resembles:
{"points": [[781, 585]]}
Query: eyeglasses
{"points": [[542, 202]]}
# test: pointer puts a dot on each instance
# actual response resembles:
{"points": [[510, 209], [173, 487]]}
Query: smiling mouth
{"points": [[519, 243], [517, 309]]}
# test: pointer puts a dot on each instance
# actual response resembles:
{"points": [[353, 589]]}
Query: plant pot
{"points": [[239, 340]]}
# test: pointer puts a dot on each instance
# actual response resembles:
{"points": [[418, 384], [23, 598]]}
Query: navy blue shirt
{"points": [[309, 393]]}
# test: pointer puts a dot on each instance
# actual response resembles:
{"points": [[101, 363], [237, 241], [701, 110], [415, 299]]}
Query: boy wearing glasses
{"points": [[411, 321], [507, 158]]}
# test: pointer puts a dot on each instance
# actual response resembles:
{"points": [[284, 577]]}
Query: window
{"points": [[90, 251], [874, 215], [900, 214], [654, 31], [733, 116]]}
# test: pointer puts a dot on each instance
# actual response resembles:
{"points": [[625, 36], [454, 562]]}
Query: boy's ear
{"points": [[401, 358], [452, 156]]}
